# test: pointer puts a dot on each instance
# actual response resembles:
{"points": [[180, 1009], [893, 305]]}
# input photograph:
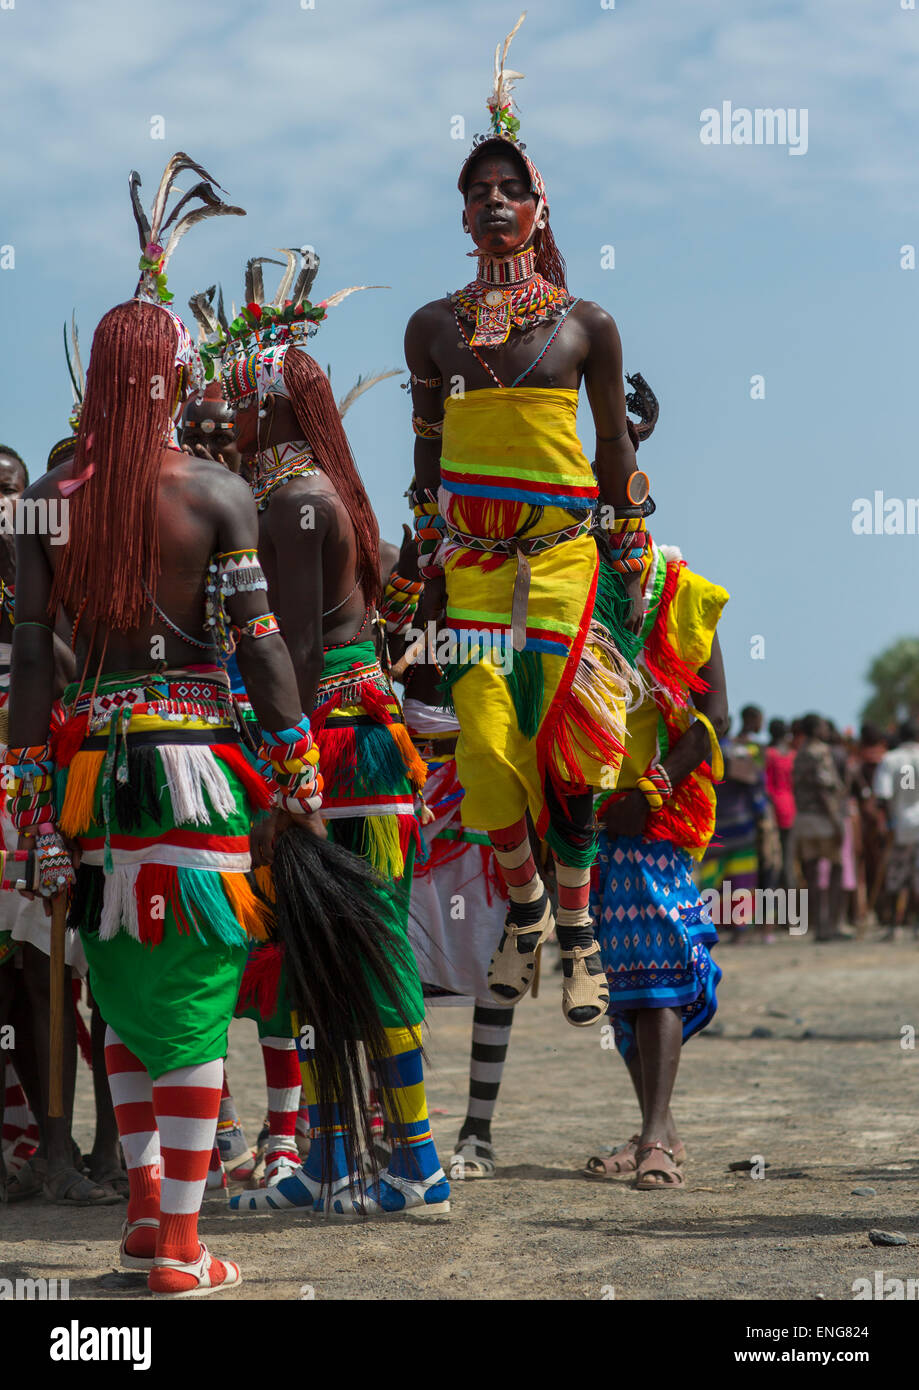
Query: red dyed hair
{"points": [[113, 550], [314, 405]]}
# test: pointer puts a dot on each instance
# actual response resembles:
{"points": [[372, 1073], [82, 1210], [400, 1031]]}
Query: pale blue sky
{"points": [[332, 126]]}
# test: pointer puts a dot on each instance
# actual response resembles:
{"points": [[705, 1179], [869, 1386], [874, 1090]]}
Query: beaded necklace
{"points": [[533, 365], [507, 293], [277, 465]]}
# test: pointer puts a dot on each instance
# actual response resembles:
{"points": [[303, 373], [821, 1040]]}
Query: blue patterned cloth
{"points": [[654, 932]]}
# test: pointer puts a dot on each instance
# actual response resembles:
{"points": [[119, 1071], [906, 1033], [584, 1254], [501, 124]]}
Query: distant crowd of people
{"points": [[813, 808]]}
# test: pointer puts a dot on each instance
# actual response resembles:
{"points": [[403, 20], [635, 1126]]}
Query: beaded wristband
{"points": [[656, 785], [400, 602]]}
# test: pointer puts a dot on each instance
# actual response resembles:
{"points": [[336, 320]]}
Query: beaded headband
{"points": [[249, 352]]}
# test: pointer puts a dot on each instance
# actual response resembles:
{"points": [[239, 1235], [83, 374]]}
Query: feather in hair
{"points": [[75, 364], [287, 279], [363, 384], [179, 162], [214, 207], [140, 217], [308, 273], [255, 283], [201, 306], [505, 77], [334, 299]]}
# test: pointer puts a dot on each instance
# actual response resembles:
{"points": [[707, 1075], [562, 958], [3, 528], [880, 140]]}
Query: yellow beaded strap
{"points": [[717, 758]]}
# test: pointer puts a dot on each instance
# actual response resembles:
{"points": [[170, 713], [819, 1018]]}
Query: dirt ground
{"points": [[824, 1092]]}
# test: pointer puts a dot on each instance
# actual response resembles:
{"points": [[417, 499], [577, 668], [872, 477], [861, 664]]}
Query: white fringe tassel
{"points": [[119, 904], [191, 770]]}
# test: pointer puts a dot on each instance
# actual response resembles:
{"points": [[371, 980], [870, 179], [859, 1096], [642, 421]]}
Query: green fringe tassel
{"points": [[203, 899], [611, 609], [566, 854], [528, 687], [379, 763]]}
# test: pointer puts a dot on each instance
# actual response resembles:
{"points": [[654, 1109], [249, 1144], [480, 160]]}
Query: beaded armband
{"points": [[290, 765], [233, 572], [29, 778], [656, 785], [400, 602], [430, 382], [427, 429], [627, 542], [262, 626], [430, 530]]}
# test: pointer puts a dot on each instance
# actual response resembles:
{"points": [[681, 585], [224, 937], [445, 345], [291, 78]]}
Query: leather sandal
{"points": [[510, 971], [582, 990]]}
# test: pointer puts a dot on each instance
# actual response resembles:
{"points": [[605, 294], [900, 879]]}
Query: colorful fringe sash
{"points": [[156, 789], [369, 765]]}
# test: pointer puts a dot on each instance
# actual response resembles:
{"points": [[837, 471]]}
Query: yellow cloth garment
{"points": [[692, 619], [506, 452]]}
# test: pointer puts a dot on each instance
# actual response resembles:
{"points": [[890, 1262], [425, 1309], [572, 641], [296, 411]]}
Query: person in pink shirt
{"points": [[780, 759]]}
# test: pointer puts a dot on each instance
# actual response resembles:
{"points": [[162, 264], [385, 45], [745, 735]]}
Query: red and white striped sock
{"points": [[186, 1102], [518, 869], [20, 1132], [282, 1077], [132, 1097], [572, 920]]}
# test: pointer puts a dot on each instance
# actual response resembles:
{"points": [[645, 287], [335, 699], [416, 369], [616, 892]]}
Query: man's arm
{"points": [[427, 405], [615, 456], [32, 683], [298, 599]]}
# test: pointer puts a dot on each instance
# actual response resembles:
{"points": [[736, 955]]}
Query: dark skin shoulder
{"points": [[202, 509], [308, 549]]}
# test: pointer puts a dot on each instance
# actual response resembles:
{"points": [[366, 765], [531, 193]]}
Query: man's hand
{"points": [[433, 605], [626, 815], [408, 554]]}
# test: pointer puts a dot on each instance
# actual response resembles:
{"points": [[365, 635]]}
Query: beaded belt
{"points": [[348, 684], [208, 700], [521, 547]]}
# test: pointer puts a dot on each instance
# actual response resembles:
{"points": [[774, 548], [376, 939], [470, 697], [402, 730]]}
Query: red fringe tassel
{"points": [[257, 788], [261, 980]]}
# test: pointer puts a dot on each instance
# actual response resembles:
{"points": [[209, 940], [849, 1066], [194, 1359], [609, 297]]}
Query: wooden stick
{"points": [[58, 1004], [536, 964]]}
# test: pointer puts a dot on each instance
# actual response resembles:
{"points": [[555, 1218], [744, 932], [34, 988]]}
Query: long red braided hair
{"points": [[131, 391], [314, 405]]}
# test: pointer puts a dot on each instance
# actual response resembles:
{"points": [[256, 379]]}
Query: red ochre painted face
{"points": [[500, 209]]}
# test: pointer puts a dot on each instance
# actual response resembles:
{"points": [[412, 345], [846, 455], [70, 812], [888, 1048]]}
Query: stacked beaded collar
{"points": [[507, 293], [277, 465]]}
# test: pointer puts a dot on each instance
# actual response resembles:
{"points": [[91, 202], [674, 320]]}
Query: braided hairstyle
{"points": [[314, 405], [132, 387]]}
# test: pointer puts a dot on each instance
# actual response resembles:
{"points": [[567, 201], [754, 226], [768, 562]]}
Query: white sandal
{"points": [[281, 1163], [473, 1158], [200, 1269], [137, 1261]]}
